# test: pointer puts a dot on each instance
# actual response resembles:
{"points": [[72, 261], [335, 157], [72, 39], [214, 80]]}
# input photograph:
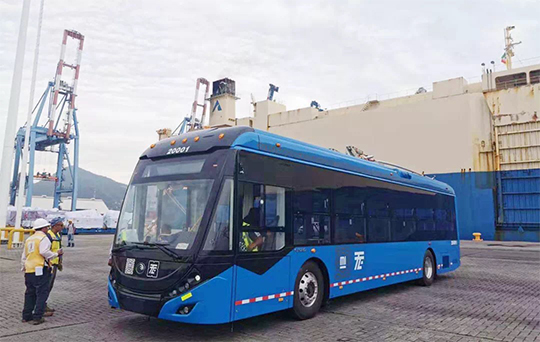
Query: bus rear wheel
{"points": [[308, 291], [428, 269]]}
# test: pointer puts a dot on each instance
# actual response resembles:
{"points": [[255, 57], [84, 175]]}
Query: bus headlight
{"points": [[192, 281], [186, 309]]}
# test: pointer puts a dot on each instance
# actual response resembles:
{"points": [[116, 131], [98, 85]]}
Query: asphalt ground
{"points": [[493, 296]]}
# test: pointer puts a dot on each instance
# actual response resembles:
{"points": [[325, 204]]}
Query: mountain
{"points": [[90, 186]]}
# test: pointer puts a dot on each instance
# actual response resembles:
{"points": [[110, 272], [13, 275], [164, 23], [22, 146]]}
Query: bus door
{"points": [[263, 281]]}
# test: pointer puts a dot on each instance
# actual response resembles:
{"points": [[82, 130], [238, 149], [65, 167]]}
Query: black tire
{"points": [[308, 291], [428, 269]]}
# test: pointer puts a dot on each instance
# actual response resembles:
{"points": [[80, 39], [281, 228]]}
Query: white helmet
{"points": [[40, 223]]}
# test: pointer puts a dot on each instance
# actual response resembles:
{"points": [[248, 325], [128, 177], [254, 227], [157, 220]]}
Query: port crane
{"points": [[59, 130]]}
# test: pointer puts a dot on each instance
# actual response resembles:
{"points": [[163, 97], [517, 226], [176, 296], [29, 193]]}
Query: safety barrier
{"points": [[4, 232], [19, 237]]}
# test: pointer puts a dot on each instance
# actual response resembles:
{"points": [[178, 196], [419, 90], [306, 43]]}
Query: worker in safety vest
{"points": [[251, 240], [71, 233], [55, 236], [35, 262]]}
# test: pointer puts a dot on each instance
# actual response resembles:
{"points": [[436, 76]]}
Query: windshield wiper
{"points": [[162, 246], [125, 247]]}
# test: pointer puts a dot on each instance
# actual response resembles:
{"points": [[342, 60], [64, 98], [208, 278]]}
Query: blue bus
{"points": [[224, 224]]}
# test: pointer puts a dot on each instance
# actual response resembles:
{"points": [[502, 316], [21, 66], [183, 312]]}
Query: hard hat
{"points": [[56, 220], [40, 223]]}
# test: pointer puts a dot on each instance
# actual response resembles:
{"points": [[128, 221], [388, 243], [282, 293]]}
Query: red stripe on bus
{"points": [[378, 276], [263, 298]]}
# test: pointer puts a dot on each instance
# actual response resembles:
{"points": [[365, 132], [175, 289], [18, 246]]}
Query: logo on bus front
{"points": [[141, 267], [153, 269]]}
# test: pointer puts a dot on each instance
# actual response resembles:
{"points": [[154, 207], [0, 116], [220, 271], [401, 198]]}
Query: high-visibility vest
{"points": [[247, 240], [123, 235], [56, 244], [33, 256]]}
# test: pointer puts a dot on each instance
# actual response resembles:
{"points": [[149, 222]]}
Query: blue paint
{"points": [[214, 301], [83, 231], [211, 300], [477, 204], [521, 197], [251, 285], [216, 105], [475, 197], [113, 299]]}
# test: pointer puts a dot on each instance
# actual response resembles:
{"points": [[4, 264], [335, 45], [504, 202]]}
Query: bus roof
{"points": [[249, 139]]}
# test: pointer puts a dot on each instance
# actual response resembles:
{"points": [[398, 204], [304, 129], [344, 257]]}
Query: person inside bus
{"points": [[165, 234], [251, 240]]}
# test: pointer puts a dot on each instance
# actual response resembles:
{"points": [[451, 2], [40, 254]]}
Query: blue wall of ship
{"points": [[475, 193], [479, 202]]}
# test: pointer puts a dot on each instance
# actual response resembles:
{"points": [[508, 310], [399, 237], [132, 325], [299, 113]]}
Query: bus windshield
{"points": [[166, 213]]}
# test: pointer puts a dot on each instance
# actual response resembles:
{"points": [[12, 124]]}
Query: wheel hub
{"points": [[428, 268], [308, 289]]}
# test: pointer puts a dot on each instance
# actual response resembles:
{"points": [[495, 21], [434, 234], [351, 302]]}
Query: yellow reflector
{"points": [[186, 296], [221, 136], [313, 250], [184, 140], [153, 145], [173, 142], [196, 139], [278, 145]]}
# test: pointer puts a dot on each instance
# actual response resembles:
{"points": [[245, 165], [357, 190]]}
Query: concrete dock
{"points": [[494, 296]]}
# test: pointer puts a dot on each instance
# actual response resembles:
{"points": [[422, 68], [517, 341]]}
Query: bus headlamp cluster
{"points": [[191, 281]]}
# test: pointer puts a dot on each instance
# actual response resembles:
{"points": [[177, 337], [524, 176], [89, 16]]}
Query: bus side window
{"points": [[349, 221], [263, 212], [311, 217], [274, 217], [379, 223]]}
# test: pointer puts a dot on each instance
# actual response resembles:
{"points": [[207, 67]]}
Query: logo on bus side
{"points": [[176, 150], [342, 262], [359, 260]]}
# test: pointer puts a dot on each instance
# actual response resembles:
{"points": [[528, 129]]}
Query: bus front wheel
{"points": [[308, 291], [428, 269]]}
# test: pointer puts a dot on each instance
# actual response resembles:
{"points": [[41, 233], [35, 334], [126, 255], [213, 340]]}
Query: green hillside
{"points": [[90, 186]]}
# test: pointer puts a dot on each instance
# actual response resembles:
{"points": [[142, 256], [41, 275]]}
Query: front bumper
{"points": [[113, 298], [210, 302]]}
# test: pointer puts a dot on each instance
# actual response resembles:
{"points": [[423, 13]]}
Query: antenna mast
{"points": [[508, 47]]}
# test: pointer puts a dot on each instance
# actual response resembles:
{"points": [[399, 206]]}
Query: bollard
{"points": [[21, 240], [477, 237], [4, 233]]}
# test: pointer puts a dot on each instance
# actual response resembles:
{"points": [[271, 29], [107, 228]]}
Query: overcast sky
{"points": [[141, 58]]}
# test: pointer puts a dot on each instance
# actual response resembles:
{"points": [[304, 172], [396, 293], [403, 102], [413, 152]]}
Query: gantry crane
{"points": [[56, 133]]}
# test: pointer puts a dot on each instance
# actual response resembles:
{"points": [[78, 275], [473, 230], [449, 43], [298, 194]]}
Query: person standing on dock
{"points": [[71, 234], [35, 264], [55, 236]]}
